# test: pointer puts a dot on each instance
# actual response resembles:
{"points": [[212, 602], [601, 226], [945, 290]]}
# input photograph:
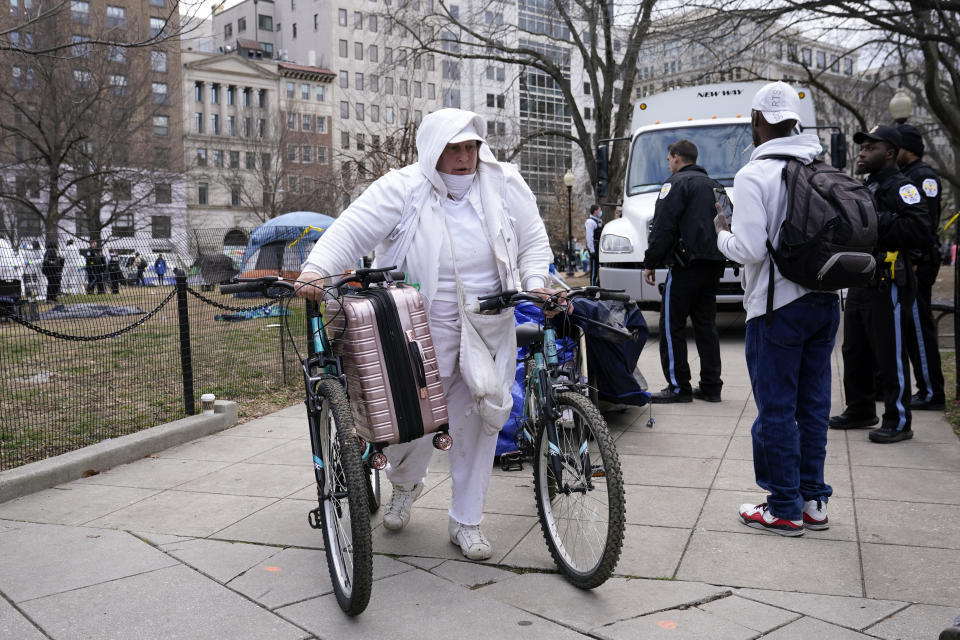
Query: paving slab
{"points": [[154, 473], [272, 426], [741, 448], [419, 606], [51, 559], [183, 513], [913, 523], [852, 612], [617, 599], [283, 522], [293, 575], [220, 448], [294, 453], [692, 424], [911, 455], [668, 471], [738, 475], [507, 494], [72, 503], [810, 565], [222, 561], [471, 575], [672, 444], [916, 622], [15, 625], [246, 479], [664, 506], [928, 575], [806, 628], [686, 624], [176, 603], [749, 613], [422, 563], [906, 485]]}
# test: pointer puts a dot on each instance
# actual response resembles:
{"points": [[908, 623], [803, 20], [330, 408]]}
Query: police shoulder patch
{"points": [[930, 187], [664, 190], [909, 194]]}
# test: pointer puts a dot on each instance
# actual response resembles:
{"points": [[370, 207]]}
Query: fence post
{"points": [[186, 360]]}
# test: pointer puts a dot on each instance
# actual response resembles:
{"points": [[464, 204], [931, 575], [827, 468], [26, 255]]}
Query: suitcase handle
{"points": [[416, 356]]}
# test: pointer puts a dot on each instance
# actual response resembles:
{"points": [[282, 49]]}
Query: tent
{"points": [[281, 244]]}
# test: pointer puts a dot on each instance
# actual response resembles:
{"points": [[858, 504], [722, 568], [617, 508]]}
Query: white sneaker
{"points": [[815, 515], [470, 539], [401, 501]]}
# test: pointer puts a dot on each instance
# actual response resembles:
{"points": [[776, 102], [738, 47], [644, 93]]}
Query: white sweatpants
{"points": [[471, 457]]}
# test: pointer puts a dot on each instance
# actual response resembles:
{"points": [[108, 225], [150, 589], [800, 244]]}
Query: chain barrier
{"points": [[104, 336], [213, 303]]}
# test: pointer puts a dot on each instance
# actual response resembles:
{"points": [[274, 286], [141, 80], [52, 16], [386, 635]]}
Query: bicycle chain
{"points": [[212, 303], [104, 336]]}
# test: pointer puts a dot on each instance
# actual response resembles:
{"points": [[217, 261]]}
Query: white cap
{"points": [[777, 101], [467, 133]]}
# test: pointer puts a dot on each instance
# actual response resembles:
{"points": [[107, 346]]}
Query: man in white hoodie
{"points": [[788, 353], [461, 225]]}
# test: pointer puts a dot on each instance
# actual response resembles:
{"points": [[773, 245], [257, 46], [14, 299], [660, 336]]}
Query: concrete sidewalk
{"points": [[210, 540]]}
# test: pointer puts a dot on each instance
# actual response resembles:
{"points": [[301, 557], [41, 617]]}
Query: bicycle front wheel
{"points": [[582, 508], [344, 508]]}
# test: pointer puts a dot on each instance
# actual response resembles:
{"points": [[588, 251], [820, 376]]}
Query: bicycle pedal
{"points": [[650, 423], [512, 461]]}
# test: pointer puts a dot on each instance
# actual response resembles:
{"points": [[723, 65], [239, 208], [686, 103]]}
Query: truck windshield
{"points": [[723, 150]]}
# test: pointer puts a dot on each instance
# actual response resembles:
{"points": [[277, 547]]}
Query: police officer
{"points": [[96, 265], [683, 237], [874, 317], [593, 226], [922, 338]]}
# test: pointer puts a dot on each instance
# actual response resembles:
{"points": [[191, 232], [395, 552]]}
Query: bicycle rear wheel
{"points": [[345, 514], [373, 489], [582, 511]]}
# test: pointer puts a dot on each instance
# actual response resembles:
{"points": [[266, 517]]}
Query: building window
{"points": [[231, 125], [235, 194], [215, 124], [241, 25], [342, 17], [265, 161], [322, 154], [231, 95], [261, 128], [358, 50], [373, 54], [821, 60], [198, 122], [80, 11], [81, 46], [228, 31], [357, 20], [161, 157], [417, 89], [388, 115], [158, 61], [291, 121], [431, 91], [201, 157], [374, 83], [344, 110], [359, 111], [451, 98], [344, 79], [161, 126], [82, 79], [358, 81], [250, 160], [116, 16], [218, 158], [321, 124], [374, 113], [388, 86], [245, 132], [234, 159], [162, 193], [159, 92], [360, 142], [344, 49], [291, 89], [344, 139], [160, 225], [306, 153], [304, 92], [156, 26], [245, 97], [293, 184], [264, 23], [294, 30], [319, 93], [198, 91], [262, 98], [214, 93], [306, 122], [848, 66], [316, 22], [123, 226], [372, 23], [118, 85], [203, 191]]}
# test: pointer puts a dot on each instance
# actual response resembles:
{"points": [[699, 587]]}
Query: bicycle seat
{"points": [[528, 333]]}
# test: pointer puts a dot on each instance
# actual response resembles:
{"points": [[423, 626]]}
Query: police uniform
{"points": [[593, 227], [874, 317], [922, 337], [683, 237]]}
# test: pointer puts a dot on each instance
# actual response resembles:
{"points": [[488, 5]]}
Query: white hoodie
{"points": [[759, 211], [401, 214]]}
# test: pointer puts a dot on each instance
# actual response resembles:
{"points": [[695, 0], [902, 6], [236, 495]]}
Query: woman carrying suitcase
{"points": [[461, 225]]}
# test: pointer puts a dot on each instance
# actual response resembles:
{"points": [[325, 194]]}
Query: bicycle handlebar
{"points": [[504, 299], [264, 284]]}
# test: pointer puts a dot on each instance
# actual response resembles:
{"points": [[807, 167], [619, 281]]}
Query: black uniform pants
{"points": [[873, 324], [922, 343], [594, 268], [53, 286], [691, 292]]}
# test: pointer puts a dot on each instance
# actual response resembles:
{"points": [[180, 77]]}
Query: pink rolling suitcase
{"points": [[393, 380]]}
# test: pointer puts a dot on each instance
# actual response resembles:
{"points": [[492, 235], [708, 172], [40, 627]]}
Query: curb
{"points": [[44, 474]]}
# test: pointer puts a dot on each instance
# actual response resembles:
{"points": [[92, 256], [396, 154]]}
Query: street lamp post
{"points": [[568, 180]]}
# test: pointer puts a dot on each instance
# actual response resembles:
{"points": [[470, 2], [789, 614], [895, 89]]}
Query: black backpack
{"points": [[829, 235]]}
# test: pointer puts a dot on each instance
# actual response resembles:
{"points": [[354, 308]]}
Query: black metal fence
{"points": [[97, 343]]}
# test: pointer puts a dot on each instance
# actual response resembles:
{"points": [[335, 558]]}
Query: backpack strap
{"points": [[769, 316]]}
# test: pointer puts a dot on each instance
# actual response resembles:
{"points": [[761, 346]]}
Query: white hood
{"points": [[436, 130], [804, 147]]}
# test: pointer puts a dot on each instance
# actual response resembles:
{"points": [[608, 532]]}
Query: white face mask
{"points": [[457, 184]]}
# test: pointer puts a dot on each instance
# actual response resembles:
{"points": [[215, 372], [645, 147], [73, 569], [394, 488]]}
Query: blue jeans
{"points": [[789, 365]]}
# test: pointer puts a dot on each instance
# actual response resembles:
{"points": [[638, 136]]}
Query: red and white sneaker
{"points": [[759, 517], [815, 515]]}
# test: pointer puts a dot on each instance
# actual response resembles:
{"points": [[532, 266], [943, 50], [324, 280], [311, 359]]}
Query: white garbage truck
{"points": [[716, 118]]}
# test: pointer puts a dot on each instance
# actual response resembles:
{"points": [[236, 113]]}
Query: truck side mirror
{"points": [[838, 150], [603, 172]]}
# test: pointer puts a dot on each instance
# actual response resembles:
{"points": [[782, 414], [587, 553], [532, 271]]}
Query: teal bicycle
{"points": [[578, 484]]}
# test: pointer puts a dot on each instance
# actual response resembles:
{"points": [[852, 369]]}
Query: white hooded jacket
{"points": [[401, 214], [759, 212]]}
